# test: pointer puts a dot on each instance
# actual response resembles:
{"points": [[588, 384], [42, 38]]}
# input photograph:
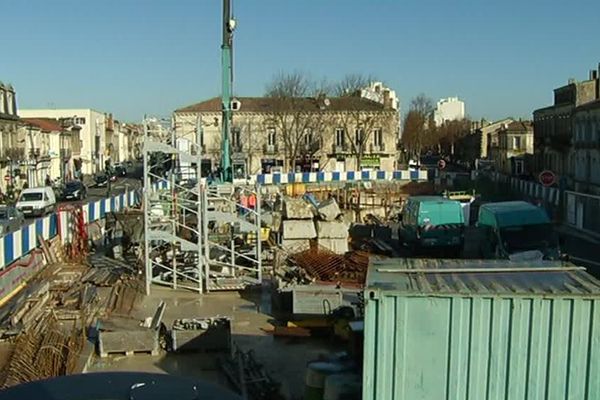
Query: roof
{"points": [[45, 124], [431, 198], [269, 104], [465, 278], [519, 126], [510, 213]]}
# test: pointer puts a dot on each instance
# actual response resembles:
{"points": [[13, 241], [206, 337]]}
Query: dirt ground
{"points": [[284, 358]]}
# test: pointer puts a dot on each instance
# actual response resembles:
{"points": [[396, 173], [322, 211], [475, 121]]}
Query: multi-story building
{"points": [[302, 134], [10, 154], [514, 150], [93, 135], [449, 109], [586, 148], [48, 145], [553, 127]]}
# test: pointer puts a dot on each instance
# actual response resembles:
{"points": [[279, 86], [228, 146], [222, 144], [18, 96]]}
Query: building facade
{"points": [[586, 148], [10, 153], [49, 145], [513, 154], [301, 134], [93, 135], [449, 109], [553, 127]]}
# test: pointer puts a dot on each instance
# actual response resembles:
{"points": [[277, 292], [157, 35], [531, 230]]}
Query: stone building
{"points": [[586, 148], [96, 128], [49, 145], [301, 134], [553, 127], [10, 153], [513, 152]]}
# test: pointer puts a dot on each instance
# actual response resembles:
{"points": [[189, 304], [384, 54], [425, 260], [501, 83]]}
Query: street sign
{"points": [[547, 178], [441, 164]]}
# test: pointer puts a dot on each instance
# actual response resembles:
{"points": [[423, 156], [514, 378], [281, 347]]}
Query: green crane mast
{"points": [[226, 83]]}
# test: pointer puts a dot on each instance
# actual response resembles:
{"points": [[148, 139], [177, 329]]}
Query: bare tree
{"points": [[451, 131], [297, 117], [360, 126], [351, 83], [419, 129]]}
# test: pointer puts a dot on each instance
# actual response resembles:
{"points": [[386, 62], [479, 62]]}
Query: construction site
{"points": [[383, 285]]}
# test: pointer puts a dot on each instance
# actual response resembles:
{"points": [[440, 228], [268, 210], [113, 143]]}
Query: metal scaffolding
{"points": [[173, 241], [197, 236]]}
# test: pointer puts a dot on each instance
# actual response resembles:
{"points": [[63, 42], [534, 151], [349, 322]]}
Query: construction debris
{"points": [[201, 334], [44, 351], [249, 377], [321, 265], [299, 229], [297, 209], [329, 210]]}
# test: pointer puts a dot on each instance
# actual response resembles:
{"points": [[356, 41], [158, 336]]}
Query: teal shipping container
{"points": [[480, 329]]}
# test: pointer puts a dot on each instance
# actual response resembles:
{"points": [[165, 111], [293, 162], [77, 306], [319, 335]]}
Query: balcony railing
{"points": [[377, 148], [338, 148], [270, 149]]}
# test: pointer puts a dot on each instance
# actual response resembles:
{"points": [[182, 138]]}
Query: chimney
{"points": [[387, 100]]}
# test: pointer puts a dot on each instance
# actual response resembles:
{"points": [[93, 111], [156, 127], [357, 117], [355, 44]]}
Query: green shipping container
{"points": [[471, 329]]}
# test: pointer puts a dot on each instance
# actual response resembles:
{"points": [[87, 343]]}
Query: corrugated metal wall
{"points": [[480, 348]]}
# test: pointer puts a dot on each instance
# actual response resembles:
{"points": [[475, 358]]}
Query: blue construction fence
{"points": [[19, 243], [347, 176]]}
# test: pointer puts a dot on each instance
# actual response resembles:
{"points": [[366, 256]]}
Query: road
{"points": [[95, 194]]}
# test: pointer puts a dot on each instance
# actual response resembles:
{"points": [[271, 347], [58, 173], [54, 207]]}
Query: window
{"points": [[358, 136], [339, 137], [79, 121], [516, 142], [236, 137], [271, 136], [308, 137], [377, 137]]}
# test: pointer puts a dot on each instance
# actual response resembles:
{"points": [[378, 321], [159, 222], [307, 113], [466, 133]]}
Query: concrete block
{"points": [[297, 209], [329, 210], [295, 245], [298, 229], [332, 230], [338, 246]]}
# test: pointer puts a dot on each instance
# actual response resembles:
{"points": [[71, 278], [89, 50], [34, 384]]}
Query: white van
{"points": [[36, 201]]}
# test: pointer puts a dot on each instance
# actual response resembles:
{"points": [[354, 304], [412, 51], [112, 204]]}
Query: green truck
{"points": [[432, 222], [516, 230]]}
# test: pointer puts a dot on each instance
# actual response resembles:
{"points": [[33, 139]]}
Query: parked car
{"points": [[11, 219], [120, 170], [37, 201], [74, 190], [102, 179]]}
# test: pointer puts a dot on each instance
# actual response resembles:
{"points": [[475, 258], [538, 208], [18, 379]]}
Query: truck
{"points": [[516, 230], [432, 223]]}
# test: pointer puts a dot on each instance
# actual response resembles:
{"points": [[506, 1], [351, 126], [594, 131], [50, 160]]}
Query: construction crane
{"points": [[226, 84]]}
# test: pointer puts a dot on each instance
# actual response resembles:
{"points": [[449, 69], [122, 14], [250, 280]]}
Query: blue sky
{"points": [[132, 57]]}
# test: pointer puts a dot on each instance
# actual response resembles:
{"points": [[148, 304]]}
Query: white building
{"points": [[376, 91], [449, 109], [92, 134]]}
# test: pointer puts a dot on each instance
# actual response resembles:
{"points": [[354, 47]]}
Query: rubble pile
{"points": [[307, 220]]}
